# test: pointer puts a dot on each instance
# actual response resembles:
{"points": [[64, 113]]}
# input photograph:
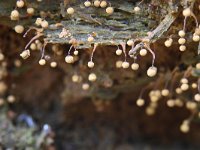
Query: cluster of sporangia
{"points": [[4, 96], [143, 47], [187, 12], [156, 95]]}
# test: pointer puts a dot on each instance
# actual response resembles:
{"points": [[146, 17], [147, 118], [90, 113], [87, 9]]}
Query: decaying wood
{"points": [[118, 27]]}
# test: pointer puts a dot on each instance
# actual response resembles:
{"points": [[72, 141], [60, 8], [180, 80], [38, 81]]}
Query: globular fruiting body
{"points": [[90, 64], [87, 3], [109, 10], [103, 4], [92, 77], [125, 64], [97, 3], [70, 11], [25, 54], [42, 62], [69, 59], [53, 64], [19, 29], [137, 9], [152, 71], [14, 15], [20, 3], [30, 11], [135, 66]]}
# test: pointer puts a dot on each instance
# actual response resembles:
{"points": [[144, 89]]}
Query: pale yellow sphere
{"points": [[53, 64], [170, 103], [20, 3], [25, 54], [184, 80], [19, 29], [118, 64], [181, 33], [137, 9], [11, 98], [187, 12], [165, 92], [125, 65], [97, 3], [197, 97], [30, 11], [37, 42], [103, 4], [140, 102], [168, 43], [182, 41], [92, 77], [69, 59], [194, 85], [135, 66], [109, 10], [152, 71], [87, 3], [196, 38], [157, 93], [184, 87], [143, 52], [75, 52], [90, 64], [150, 111], [3, 87], [182, 48], [185, 128], [33, 46], [42, 62], [179, 90], [85, 86], [70, 10], [2, 56], [17, 63], [191, 105], [14, 15], [154, 98], [75, 78], [130, 42], [118, 52], [198, 66]]}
